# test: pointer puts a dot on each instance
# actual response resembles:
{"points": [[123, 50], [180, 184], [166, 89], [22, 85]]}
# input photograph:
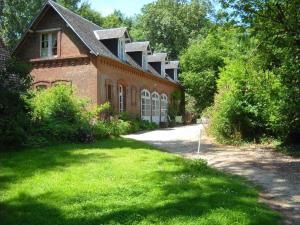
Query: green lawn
{"points": [[121, 182]]}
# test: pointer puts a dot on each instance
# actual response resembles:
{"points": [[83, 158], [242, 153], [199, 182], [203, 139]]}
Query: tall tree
{"points": [[202, 60], [276, 24], [16, 17], [169, 24], [117, 19]]}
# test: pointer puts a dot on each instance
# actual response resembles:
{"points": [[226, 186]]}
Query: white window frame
{"points": [[155, 107], [121, 98], [121, 49], [145, 105], [164, 107], [49, 40]]}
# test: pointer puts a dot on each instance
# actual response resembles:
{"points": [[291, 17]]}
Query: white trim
{"points": [[155, 107], [50, 47], [48, 30], [164, 107], [147, 105]]}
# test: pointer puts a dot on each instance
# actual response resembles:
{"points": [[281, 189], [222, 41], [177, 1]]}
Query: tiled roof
{"points": [[157, 57], [104, 34], [137, 46], [172, 65]]}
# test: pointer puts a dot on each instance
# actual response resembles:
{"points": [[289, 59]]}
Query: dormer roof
{"points": [[104, 34], [172, 65], [157, 57], [140, 46]]}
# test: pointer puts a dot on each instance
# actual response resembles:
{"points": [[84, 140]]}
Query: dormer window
{"points": [[121, 49], [48, 45]]}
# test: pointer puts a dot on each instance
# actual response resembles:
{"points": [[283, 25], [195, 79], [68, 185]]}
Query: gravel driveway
{"points": [[277, 174]]}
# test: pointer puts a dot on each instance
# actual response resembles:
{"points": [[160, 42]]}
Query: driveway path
{"points": [[277, 174]]}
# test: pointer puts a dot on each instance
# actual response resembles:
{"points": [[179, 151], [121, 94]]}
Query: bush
{"points": [[15, 80], [247, 104], [59, 116]]}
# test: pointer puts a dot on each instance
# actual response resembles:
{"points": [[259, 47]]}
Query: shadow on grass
{"points": [[56, 157], [191, 193]]}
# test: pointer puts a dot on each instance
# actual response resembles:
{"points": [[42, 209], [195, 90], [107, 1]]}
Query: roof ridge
{"points": [[59, 5]]}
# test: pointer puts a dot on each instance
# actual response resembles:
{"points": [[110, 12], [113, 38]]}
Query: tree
{"points": [[117, 19], [87, 12], [17, 15], [276, 25], [14, 83], [169, 24], [202, 60]]}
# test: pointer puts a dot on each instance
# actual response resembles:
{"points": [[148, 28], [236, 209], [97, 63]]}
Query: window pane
{"points": [[54, 43]]}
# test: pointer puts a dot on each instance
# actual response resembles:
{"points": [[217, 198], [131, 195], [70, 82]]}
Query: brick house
{"points": [[102, 64]]}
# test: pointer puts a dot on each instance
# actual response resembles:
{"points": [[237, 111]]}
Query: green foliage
{"points": [[170, 24], [57, 115], [247, 105], [117, 127], [174, 106], [88, 13], [202, 60], [14, 82], [15, 20], [276, 25], [117, 19]]}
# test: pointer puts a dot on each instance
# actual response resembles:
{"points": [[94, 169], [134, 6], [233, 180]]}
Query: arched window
{"points": [[164, 108], [121, 98], [155, 99], [145, 105]]}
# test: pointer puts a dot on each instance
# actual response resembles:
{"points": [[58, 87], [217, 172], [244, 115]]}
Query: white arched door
{"points": [[164, 108], [155, 99], [145, 105]]}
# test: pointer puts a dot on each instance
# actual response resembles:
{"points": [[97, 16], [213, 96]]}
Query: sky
{"points": [[128, 7]]}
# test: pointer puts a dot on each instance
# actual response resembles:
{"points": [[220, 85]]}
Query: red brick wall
{"points": [[134, 81], [81, 73], [69, 44]]}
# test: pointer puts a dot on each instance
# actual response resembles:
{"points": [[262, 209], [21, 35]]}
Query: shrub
{"points": [[247, 104], [58, 115], [15, 80]]}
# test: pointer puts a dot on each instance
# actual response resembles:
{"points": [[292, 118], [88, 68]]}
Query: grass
{"points": [[121, 182]]}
